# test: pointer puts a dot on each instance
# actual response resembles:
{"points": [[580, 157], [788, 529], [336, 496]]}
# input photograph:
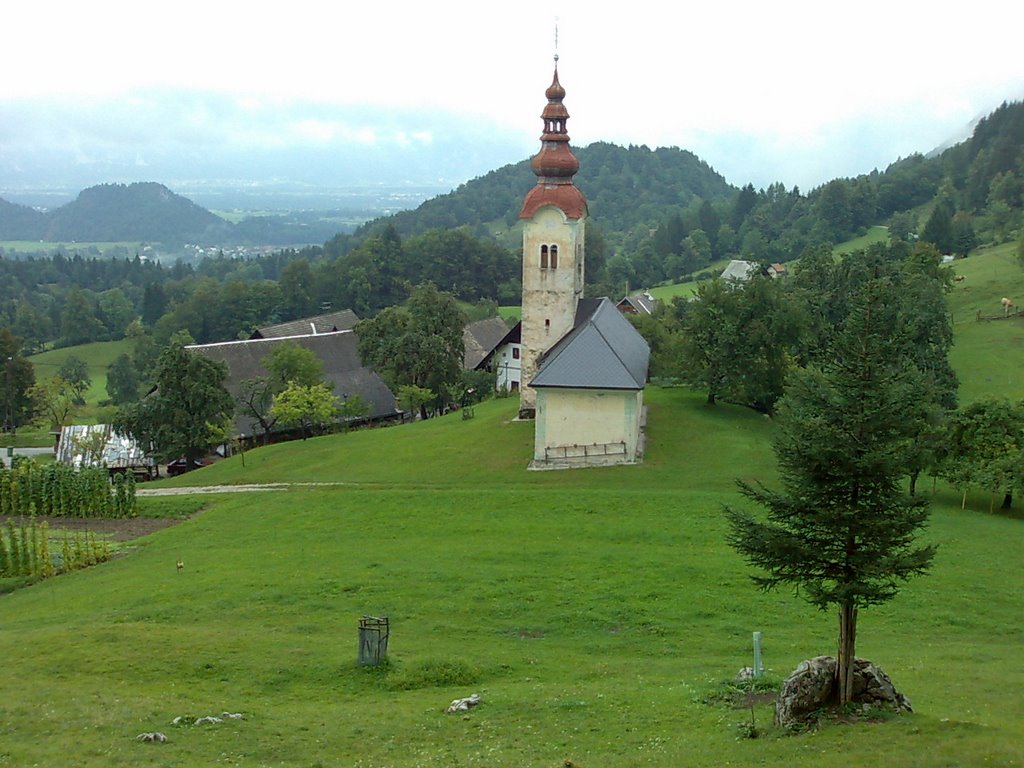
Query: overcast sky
{"points": [[798, 92]]}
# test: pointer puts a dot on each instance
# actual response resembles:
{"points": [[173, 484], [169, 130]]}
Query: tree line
{"points": [[744, 341], [71, 300]]}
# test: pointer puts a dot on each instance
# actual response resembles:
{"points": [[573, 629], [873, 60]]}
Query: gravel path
{"points": [[183, 491], [211, 489]]}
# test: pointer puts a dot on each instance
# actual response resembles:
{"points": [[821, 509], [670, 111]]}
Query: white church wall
{"points": [[579, 427]]}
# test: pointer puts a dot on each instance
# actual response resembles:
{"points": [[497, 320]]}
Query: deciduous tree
{"points": [[122, 380], [419, 343], [186, 414], [54, 401], [986, 448], [18, 378], [308, 407]]}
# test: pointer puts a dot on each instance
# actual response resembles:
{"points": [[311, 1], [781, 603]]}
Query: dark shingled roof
{"points": [[641, 303], [337, 350], [480, 338], [602, 351], [343, 320]]}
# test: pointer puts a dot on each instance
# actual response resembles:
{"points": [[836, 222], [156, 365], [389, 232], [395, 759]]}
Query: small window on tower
{"points": [[554, 257], [547, 324], [543, 257]]}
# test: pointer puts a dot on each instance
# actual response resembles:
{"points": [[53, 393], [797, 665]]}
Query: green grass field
{"points": [[988, 355], [98, 356], [594, 612]]}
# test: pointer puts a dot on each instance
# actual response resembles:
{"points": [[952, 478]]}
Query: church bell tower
{"points": [[554, 213]]}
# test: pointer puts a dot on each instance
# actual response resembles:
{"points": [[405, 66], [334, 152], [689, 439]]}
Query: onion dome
{"points": [[555, 164]]}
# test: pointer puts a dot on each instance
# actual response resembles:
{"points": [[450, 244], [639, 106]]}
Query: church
{"points": [[581, 364]]}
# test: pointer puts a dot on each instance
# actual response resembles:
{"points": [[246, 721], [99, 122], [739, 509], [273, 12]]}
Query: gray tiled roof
{"points": [[602, 351], [643, 303], [342, 320], [480, 338], [337, 350]]}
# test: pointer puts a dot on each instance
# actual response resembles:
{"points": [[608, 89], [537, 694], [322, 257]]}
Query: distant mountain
{"points": [[144, 211], [20, 223], [140, 211], [150, 212]]}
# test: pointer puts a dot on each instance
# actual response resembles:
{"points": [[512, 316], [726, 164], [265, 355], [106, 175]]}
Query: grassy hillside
{"points": [[988, 355], [594, 612], [98, 356]]}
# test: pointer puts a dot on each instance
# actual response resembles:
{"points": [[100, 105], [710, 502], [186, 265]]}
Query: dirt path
{"points": [[192, 489]]}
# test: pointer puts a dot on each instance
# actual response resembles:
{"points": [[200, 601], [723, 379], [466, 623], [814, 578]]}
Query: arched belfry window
{"points": [[554, 257], [543, 257]]}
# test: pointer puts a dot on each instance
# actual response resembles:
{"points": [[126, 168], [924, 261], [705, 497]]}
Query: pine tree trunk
{"points": [[844, 659]]}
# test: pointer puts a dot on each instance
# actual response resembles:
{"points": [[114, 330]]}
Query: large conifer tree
{"points": [[841, 531]]}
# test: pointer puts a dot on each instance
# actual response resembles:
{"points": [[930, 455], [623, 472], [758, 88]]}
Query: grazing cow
{"points": [[1007, 305]]}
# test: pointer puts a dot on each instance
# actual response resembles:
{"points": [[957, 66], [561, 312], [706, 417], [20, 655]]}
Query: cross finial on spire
{"points": [[556, 41]]}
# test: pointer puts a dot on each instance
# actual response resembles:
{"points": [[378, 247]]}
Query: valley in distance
{"points": [[322, 212]]}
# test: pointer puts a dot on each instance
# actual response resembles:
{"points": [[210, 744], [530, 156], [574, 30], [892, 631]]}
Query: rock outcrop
{"points": [[811, 688]]}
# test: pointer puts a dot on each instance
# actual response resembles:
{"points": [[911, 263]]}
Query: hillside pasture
{"points": [[596, 612], [988, 355]]}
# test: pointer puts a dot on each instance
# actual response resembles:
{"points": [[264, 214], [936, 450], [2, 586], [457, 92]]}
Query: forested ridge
{"points": [[150, 212], [656, 215]]}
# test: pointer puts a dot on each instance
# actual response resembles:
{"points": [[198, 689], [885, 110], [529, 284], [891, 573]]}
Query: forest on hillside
{"points": [[657, 215], [150, 212]]}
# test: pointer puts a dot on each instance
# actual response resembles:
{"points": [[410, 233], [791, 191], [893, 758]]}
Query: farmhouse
{"points": [[637, 304], [343, 320], [337, 350], [738, 270], [479, 338]]}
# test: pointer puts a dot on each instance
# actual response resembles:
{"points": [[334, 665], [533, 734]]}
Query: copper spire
{"points": [[555, 164]]}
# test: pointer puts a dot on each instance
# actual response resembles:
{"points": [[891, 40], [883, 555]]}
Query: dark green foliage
{"points": [[140, 211], [186, 415], [985, 448], [75, 372], [16, 379], [122, 381], [622, 185], [841, 531], [418, 344], [938, 230], [738, 340]]}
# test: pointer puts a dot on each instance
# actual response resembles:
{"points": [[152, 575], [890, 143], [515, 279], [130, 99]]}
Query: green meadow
{"points": [[98, 356], [598, 613]]}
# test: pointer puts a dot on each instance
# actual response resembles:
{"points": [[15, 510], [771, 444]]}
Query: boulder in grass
{"points": [[811, 688], [463, 705]]}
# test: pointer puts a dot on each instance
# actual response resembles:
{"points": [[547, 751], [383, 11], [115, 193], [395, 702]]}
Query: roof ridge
{"points": [[608, 344], [269, 338]]}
